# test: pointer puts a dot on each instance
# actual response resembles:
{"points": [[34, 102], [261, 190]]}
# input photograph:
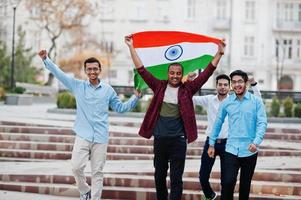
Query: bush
{"points": [[66, 100], [198, 110], [275, 107], [2, 93], [297, 110], [288, 106], [19, 90]]}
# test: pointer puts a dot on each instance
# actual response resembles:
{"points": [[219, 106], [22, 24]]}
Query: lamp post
{"points": [[14, 4]]}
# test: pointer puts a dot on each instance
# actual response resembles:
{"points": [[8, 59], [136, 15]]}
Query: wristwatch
{"points": [[253, 84]]}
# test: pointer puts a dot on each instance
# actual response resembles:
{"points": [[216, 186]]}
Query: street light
{"points": [[14, 4]]}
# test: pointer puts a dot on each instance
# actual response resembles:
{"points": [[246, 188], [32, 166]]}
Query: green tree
{"points": [[24, 72], [4, 66]]}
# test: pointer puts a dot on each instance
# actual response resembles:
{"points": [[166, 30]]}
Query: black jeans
{"points": [[207, 164], [231, 166], [171, 150]]}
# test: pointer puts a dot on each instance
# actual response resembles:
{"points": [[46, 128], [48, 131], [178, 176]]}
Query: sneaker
{"points": [[86, 196], [214, 195]]}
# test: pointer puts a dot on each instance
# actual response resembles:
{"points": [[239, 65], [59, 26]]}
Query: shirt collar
{"points": [[247, 95], [100, 84]]}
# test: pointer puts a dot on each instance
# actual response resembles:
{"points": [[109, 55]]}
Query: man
{"points": [[247, 125], [170, 118], [211, 103], [93, 97]]}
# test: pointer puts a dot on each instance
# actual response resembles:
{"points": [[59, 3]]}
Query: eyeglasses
{"points": [[94, 69], [239, 82]]}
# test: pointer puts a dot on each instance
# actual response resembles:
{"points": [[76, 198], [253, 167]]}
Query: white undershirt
{"points": [[171, 95]]}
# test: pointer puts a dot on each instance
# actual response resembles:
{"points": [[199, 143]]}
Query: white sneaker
{"points": [[86, 196]]}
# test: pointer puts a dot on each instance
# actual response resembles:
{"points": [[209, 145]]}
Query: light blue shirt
{"points": [[92, 103], [247, 123]]}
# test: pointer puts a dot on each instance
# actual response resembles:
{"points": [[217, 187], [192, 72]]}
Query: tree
{"points": [[25, 72], [56, 17], [4, 66]]}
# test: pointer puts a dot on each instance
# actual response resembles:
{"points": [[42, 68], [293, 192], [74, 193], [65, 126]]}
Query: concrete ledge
{"points": [[198, 117], [18, 99]]}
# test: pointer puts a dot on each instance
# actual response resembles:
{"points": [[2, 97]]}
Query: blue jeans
{"points": [[172, 150], [231, 166], [207, 164]]}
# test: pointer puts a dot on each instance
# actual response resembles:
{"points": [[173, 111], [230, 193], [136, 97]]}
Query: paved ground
{"points": [[37, 114], [9, 195]]}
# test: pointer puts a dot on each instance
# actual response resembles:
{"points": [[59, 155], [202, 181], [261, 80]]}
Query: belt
{"points": [[219, 140]]}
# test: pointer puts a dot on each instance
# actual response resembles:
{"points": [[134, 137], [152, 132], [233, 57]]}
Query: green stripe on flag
{"points": [[160, 71]]}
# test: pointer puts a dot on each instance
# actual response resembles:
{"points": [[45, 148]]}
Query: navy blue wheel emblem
{"points": [[173, 52]]}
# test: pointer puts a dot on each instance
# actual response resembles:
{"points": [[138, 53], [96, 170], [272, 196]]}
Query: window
{"points": [[284, 48], [249, 46], [139, 10], [299, 13], [112, 73], [162, 10], [277, 48], [250, 10], [298, 49], [221, 9], [289, 49], [107, 10], [3, 10], [288, 11], [191, 9]]}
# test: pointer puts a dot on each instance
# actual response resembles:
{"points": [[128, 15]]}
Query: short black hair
{"points": [[175, 64], [92, 60], [222, 76], [241, 73]]}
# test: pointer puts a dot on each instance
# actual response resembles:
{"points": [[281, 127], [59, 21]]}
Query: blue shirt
{"points": [[92, 103], [247, 123]]}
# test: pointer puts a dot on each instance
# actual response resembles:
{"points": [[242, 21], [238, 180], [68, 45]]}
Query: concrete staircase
{"points": [[20, 143]]}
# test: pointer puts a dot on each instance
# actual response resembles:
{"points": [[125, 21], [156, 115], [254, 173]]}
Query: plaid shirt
{"points": [[186, 91]]}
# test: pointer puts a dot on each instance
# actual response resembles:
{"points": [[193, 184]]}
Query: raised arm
{"points": [[68, 81], [254, 87], [197, 83], [129, 41], [219, 53], [150, 80]]}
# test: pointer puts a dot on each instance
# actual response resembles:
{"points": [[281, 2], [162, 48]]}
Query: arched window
{"points": [[286, 83]]}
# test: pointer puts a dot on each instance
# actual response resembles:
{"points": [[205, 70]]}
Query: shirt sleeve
{"points": [[68, 81], [261, 123], [256, 91], [200, 100], [118, 106], [149, 79], [217, 126]]}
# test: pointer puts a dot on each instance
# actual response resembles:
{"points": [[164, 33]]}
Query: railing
{"points": [[266, 94]]}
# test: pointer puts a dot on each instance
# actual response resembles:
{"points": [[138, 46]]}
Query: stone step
{"points": [[111, 192], [147, 181], [119, 153], [114, 192], [294, 134], [137, 140], [138, 124]]}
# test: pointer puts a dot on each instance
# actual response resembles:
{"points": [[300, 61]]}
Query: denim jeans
{"points": [[207, 164], [170, 151]]}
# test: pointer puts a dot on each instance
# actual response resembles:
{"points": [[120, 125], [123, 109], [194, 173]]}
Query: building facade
{"points": [[263, 36]]}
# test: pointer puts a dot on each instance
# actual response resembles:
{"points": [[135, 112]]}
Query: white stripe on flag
{"points": [[157, 55]]}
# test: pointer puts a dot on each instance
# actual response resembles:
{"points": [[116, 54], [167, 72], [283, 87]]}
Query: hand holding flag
{"points": [[158, 49]]}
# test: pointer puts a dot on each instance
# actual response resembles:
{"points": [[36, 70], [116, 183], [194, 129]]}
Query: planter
{"points": [[18, 99]]}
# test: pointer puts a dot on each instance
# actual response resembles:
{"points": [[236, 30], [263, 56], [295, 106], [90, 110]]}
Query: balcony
{"points": [[290, 26], [221, 24]]}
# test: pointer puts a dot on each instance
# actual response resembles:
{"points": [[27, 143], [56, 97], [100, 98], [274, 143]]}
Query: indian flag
{"points": [[157, 49]]}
